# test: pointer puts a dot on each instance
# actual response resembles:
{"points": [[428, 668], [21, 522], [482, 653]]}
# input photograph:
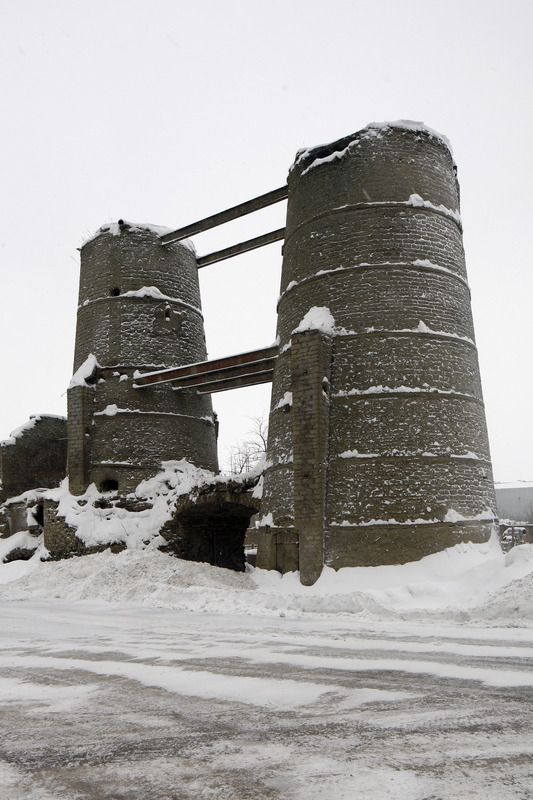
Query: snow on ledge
{"points": [[318, 318], [146, 291], [86, 370], [156, 294], [450, 516], [484, 516], [469, 455], [400, 390], [356, 454], [417, 201]]}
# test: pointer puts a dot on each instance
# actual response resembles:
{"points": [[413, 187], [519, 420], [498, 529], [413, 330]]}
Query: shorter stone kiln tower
{"points": [[378, 450], [139, 310]]}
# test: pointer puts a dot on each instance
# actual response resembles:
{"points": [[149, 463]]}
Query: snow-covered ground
{"points": [[137, 675]]}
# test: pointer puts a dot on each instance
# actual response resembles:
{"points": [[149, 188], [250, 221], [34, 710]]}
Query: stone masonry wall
{"points": [[139, 309], [80, 400], [124, 329], [373, 234], [311, 360], [36, 457]]}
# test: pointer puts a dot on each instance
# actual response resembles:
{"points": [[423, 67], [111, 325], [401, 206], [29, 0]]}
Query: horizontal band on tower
{"points": [[396, 204], [154, 466], [138, 412], [411, 523], [400, 334], [364, 267], [136, 298], [443, 457], [410, 394]]}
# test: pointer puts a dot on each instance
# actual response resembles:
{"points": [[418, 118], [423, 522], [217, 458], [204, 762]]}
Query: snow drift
{"points": [[466, 583]]}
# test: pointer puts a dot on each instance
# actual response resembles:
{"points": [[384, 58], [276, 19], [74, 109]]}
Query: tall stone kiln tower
{"points": [[378, 449], [139, 309]]}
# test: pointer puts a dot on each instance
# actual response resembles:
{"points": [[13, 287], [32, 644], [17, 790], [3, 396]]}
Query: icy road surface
{"points": [[137, 703]]}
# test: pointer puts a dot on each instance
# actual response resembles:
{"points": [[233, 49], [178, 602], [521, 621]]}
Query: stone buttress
{"points": [[378, 450]]}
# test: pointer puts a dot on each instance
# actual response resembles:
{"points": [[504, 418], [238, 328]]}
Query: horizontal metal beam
{"points": [[243, 247], [235, 212], [236, 382], [220, 368], [226, 373]]}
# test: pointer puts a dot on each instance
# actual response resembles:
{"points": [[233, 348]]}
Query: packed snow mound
{"points": [[466, 583], [149, 578]]}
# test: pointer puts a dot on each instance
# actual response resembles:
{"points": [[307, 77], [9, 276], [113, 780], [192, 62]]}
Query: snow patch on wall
{"points": [[258, 491], [454, 516], [23, 540], [266, 520], [286, 400]]}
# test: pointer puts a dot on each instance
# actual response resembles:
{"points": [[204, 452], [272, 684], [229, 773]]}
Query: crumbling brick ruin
{"points": [[377, 450], [35, 455]]}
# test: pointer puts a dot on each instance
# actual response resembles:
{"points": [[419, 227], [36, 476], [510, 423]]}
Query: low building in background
{"points": [[515, 510]]}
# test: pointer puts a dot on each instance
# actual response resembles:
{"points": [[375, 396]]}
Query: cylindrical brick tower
{"points": [[139, 309], [378, 449]]}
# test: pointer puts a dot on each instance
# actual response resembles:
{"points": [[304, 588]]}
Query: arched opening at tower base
{"points": [[211, 530]]}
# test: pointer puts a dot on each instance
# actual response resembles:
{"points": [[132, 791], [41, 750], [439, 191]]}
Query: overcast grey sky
{"points": [[166, 111]]}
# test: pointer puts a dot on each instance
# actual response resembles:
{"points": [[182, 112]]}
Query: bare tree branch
{"points": [[246, 455]]}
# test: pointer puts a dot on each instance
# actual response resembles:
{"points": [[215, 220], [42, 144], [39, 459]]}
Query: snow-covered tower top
{"points": [[139, 302]]}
